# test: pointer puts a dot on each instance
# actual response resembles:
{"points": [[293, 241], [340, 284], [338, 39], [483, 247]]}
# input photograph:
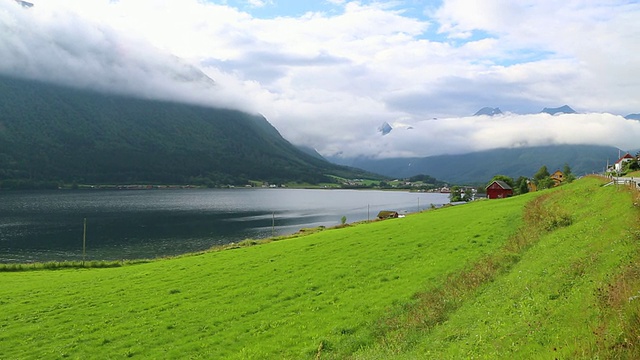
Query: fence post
{"points": [[84, 241]]}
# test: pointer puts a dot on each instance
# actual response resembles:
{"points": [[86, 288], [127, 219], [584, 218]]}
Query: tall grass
{"points": [[59, 265], [618, 335], [620, 300]]}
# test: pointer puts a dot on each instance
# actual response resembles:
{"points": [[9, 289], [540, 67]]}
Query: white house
{"points": [[620, 163]]}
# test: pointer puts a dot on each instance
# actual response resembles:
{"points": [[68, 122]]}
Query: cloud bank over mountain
{"points": [[459, 135], [54, 43], [328, 76]]}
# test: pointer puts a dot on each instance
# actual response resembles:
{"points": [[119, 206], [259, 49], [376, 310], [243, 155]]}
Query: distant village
{"points": [[500, 187]]}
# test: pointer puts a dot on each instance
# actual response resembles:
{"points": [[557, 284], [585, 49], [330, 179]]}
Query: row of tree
{"points": [[541, 179]]}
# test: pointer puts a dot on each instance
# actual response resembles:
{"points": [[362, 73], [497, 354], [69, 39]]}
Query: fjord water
{"points": [[134, 224]]}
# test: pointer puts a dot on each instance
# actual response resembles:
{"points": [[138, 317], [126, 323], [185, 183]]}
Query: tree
{"points": [[545, 183], [541, 174], [631, 165], [468, 194], [568, 176], [543, 179], [459, 193], [521, 185], [456, 194], [504, 178]]}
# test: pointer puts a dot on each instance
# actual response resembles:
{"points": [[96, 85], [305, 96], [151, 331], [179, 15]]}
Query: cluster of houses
{"points": [[498, 189]]}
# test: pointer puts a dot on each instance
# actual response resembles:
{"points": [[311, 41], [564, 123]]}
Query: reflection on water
{"points": [[129, 224]]}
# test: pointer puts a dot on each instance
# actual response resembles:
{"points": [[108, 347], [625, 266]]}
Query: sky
{"points": [[328, 73]]}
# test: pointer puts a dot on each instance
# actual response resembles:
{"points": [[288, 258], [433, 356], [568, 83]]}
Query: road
{"points": [[625, 180]]}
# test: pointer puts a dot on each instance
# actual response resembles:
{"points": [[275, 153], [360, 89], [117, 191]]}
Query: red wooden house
{"points": [[499, 189]]}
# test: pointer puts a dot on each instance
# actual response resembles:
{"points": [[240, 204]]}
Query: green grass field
{"points": [[545, 275], [633, 174]]}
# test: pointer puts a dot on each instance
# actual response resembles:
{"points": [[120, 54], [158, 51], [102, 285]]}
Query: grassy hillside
{"points": [[50, 133], [545, 275]]}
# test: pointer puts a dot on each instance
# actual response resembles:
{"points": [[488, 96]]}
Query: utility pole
{"points": [[84, 241]]}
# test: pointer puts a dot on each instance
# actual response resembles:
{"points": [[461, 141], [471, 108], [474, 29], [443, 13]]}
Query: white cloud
{"points": [[329, 79], [259, 3], [477, 133], [62, 46]]}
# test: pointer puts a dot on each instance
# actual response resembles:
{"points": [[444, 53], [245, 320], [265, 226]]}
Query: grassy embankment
{"points": [[633, 174], [551, 274]]}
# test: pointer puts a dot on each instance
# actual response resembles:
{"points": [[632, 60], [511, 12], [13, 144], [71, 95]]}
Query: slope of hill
{"points": [[53, 133], [480, 167], [544, 275], [310, 151]]}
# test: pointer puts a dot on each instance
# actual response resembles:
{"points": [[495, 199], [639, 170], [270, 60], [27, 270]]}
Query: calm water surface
{"points": [[130, 224]]}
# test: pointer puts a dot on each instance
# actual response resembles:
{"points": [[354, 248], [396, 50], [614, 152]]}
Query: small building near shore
{"points": [[386, 214], [499, 189]]}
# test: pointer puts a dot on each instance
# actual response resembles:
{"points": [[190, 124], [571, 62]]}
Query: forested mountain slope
{"points": [[54, 133]]}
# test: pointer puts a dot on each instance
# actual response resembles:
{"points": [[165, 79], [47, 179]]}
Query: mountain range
{"points": [[480, 167], [564, 109], [51, 133], [488, 111]]}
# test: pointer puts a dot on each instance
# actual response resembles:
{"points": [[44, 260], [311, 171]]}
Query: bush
{"points": [[546, 217], [558, 220]]}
